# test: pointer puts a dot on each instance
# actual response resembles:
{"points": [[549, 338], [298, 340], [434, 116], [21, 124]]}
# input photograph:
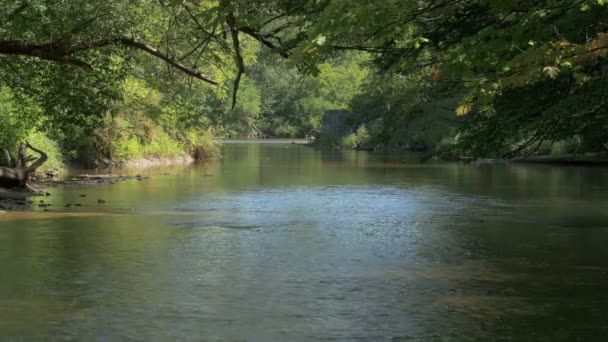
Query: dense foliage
{"points": [[480, 78]]}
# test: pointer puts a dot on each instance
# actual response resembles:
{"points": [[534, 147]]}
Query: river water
{"points": [[282, 242]]}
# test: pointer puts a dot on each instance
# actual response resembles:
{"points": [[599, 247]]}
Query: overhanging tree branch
{"points": [[173, 62], [64, 52], [231, 21], [56, 52], [264, 40]]}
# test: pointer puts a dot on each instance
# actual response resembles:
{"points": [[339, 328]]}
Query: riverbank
{"points": [[592, 159], [589, 158], [143, 162], [119, 147], [77, 173], [585, 159], [24, 200]]}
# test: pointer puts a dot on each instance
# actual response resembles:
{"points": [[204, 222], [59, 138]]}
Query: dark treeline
{"points": [[125, 79]]}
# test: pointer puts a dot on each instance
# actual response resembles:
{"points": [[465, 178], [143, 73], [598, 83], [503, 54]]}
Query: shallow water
{"points": [[282, 242]]}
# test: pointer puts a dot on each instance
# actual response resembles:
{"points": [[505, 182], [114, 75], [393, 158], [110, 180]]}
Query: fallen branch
{"points": [[19, 176]]}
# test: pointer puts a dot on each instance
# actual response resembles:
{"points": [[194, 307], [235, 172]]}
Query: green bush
{"points": [[359, 139], [350, 141], [16, 121], [162, 146], [123, 138], [202, 144], [363, 135], [126, 148], [568, 146]]}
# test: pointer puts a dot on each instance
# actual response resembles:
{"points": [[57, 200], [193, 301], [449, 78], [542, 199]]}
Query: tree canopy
{"points": [[514, 73]]}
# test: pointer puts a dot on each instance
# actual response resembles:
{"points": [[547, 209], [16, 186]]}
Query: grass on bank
{"points": [[198, 144]]}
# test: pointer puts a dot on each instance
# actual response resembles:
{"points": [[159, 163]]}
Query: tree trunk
{"points": [[19, 175], [259, 133]]}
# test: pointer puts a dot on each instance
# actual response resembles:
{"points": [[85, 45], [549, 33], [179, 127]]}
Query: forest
{"points": [[115, 80]]}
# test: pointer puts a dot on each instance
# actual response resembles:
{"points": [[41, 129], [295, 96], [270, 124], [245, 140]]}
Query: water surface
{"points": [[282, 242]]}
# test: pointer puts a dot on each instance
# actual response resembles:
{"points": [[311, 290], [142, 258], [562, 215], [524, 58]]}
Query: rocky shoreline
{"points": [[22, 199], [18, 199]]}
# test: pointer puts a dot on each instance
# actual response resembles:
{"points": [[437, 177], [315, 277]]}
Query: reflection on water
{"points": [[285, 242]]}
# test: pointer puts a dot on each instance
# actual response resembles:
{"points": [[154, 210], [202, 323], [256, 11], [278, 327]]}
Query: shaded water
{"points": [[287, 243]]}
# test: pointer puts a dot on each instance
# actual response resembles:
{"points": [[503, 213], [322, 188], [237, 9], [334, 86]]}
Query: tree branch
{"points": [[231, 21], [262, 39], [154, 52], [56, 52], [21, 157], [38, 162], [63, 52], [9, 161]]}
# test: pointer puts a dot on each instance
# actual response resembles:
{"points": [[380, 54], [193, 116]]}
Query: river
{"points": [[283, 242]]}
